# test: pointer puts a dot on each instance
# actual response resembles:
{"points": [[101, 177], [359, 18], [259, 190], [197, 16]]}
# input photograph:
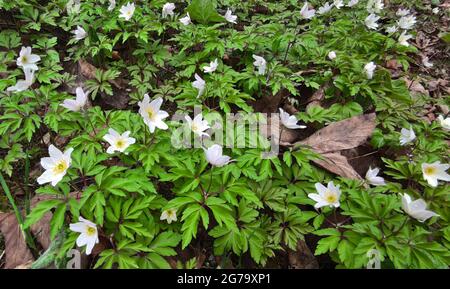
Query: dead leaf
{"points": [[16, 249], [302, 258], [341, 135], [415, 87], [338, 164], [86, 69]]}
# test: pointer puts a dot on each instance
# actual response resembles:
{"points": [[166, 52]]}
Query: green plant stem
{"points": [[19, 217], [210, 180]]}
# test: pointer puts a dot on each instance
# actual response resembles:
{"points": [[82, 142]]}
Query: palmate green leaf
{"points": [[327, 244], [204, 11], [57, 220], [39, 211]]}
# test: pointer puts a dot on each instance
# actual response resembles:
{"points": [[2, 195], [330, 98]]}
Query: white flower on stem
{"points": [[88, 234], [112, 5], [186, 20], [79, 33], [327, 196], [167, 10], [373, 178], [371, 21], [212, 66], [369, 69], [230, 17], [199, 84], [352, 3], [78, 103], [434, 172], [307, 13], [215, 157], [435, 10], [407, 22], [416, 209], [127, 11], [22, 85], [403, 38], [445, 122], [402, 12], [55, 165], [391, 29], [407, 136], [170, 215], [289, 121], [197, 125], [260, 63], [426, 62], [152, 113], [118, 142], [325, 8], [338, 4], [331, 55], [26, 60]]}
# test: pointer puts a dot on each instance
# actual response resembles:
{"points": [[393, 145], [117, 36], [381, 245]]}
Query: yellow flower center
{"points": [[90, 231], [24, 59], [430, 171], [60, 167], [330, 197], [194, 127], [151, 113], [120, 144], [170, 213]]}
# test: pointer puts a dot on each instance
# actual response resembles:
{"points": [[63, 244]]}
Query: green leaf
{"points": [[39, 211], [204, 11]]}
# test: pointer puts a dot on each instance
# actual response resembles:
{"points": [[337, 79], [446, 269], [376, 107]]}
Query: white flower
{"points": [[445, 122], [435, 10], [78, 103], [327, 196], [391, 29], [338, 4], [167, 10], [55, 165], [22, 85], [373, 179], [416, 209], [170, 215], [371, 21], [426, 62], [199, 84], [79, 33], [289, 121], [215, 157], [325, 8], [403, 38], [407, 22], [331, 55], [352, 3], [230, 17], [112, 5], [434, 172], [307, 13], [212, 66], [407, 135], [375, 6], [186, 20], [118, 142], [198, 125], [26, 60], [402, 12], [88, 236], [260, 63], [153, 116], [127, 11], [369, 68]]}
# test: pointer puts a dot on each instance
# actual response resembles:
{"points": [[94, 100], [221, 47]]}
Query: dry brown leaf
{"points": [[337, 164], [302, 258], [16, 250], [86, 69], [415, 87], [341, 135]]}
